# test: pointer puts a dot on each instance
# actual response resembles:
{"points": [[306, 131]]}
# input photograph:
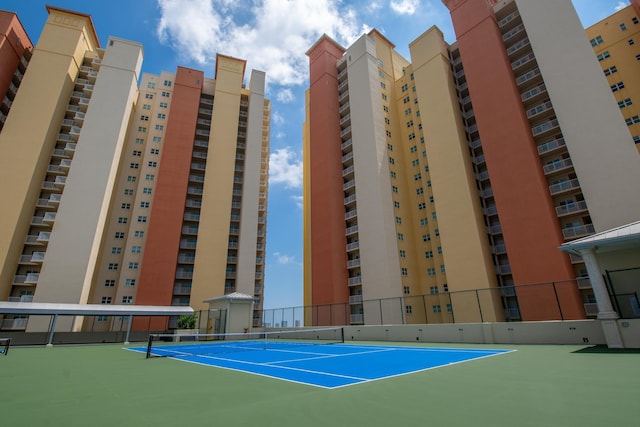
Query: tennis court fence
{"points": [[562, 300]]}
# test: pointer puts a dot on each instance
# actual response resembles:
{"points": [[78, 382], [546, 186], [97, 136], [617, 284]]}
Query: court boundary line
{"points": [[494, 352]]}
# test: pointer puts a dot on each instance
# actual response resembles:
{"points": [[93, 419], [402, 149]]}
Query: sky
{"points": [[273, 36]]}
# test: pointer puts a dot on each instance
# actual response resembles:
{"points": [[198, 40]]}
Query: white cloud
{"points": [[374, 6], [284, 259], [285, 96], [285, 168], [273, 35], [404, 7], [298, 199], [277, 118], [621, 5]]}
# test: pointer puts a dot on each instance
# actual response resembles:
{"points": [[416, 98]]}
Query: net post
{"points": [[342, 335], [149, 346]]}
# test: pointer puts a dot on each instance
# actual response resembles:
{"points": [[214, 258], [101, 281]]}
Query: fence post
{"points": [[381, 315], [479, 307], [555, 291]]}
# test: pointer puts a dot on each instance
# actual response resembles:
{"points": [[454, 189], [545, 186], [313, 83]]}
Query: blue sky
{"points": [[272, 35]]}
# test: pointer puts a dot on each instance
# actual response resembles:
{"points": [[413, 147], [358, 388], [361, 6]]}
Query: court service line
{"points": [[326, 356], [281, 367]]}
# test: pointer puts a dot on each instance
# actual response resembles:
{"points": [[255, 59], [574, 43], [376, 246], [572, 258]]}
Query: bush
{"points": [[187, 321]]}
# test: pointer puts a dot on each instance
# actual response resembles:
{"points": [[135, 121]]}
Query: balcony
{"points": [[545, 127], [550, 146], [351, 230], [518, 46], [353, 246], [190, 230], [557, 166], [539, 109], [346, 120], [14, 324], [353, 263], [503, 269], [349, 199], [564, 186], [512, 33], [571, 208], [346, 133], [525, 60], [49, 217], [181, 289], [185, 244], [347, 157], [357, 319], [349, 184], [528, 76], [583, 282], [353, 281], [184, 259], [499, 249], [184, 274], [21, 298], [355, 299], [533, 93], [350, 214], [591, 309], [578, 231], [494, 229]]}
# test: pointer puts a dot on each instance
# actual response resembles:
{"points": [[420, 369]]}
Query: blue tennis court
{"points": [[327, 366]]}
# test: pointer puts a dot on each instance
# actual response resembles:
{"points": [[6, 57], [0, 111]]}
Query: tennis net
{"points": [[174, 345]]}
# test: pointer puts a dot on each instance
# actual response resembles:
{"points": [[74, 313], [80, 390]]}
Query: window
{"points": [[148, 95], [163, 105], [382, 85], [139, 141], [109, 283], [389, 147], [434, 215], [596, 41], [144, 204], [385, 108], [634, 19], [142, 218], [138, 233], [413, 149], [406, 290], [384, 98], [381, 74], [128, 192], [131, 178], [137, 153], [419, 190], [604, 55], [449, 308], [157, 139], [133, 266], [439, 250], [407, 111], [151, 85], [130, 282], [400, 236], [631, 42], [393, 174], [122, 220], [149, 177], [403, 254], [424, 221], [146, 190], [144, 118], [406, 99], [167, 83], [405, 88], [159, 127], [392, 160], [134, 165], [433, 290], [136, 249], [126, 206], [389, 134], [112, 266], [428, 254], [119, 235], [387, 121], [636, 139], [415, 162], [106, 300], [632, 120], [412, 136], [436, 308], [408, 309], [422, 206], [162, 116], [127, 299], [445, 287], [146, 107], [623, 27], [404, 271], [610, 70], [426, 168], [394, 189], [431, 272], [442, 269], [625, 103], [417, 176], [398, 220], [431, 199], [166, 94], [437, 231], [153, 164], [616, 87], [637, 57], [426, 237], [142, 129], [429, 183], [396, 205], [410, 123]]}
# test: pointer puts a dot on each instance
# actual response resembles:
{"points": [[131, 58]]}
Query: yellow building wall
{"points": [[213, 234], [466, 252], [32, 126]]}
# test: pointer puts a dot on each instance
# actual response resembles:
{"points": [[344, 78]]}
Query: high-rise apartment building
{"points": [[124, 195], [463, 169], [616, 43]]}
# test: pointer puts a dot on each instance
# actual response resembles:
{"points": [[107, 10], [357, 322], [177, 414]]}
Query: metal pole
{"points": [[555, 291], [53, 328], [479, 307], [126, 340]]}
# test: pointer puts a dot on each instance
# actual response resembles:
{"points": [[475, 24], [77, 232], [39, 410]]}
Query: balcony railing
{"points": [[564, 186], [353, 281], [571, 208], [557, 165], [352, 263], [357, 318], [551, 145], [578, 231], [355, 299]]}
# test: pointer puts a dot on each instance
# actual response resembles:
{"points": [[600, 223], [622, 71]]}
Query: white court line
{"points": [[282, 367], [325, 355]]}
